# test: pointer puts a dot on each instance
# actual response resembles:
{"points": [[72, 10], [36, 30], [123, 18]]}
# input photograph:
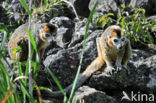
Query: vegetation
{"points": [[11, 91], [15, 89], [136, 25], [45, 6]]}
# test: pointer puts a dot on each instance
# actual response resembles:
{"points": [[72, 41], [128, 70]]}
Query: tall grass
{"points": [[8, 89]]}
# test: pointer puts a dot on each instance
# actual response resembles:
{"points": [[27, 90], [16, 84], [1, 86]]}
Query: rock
{"points": [[79, 33], [65, 62], [65, 30], [152, 17], [119, 2], [4, 18], [86, 94], [56, 11], [139, 76], [107, 6], [51, 101], [17, 12], [81, 7], [148, 5], [62, 10], [104, 5]]}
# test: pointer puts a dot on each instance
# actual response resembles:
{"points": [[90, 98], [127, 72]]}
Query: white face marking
{"points": [[49, 39], [119, 42]]}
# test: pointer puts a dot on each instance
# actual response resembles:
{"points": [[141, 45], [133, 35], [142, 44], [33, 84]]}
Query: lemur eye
{"points": [[115, 40], [123, 39], [48, 34]]}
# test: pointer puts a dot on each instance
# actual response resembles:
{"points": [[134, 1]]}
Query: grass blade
{"points": [[26, 7], [84, 44], [46, 89], [56, 81], [26, 92], [32, 40], [3, 41]]}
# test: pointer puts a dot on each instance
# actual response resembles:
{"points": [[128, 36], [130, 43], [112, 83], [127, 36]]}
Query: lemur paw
{"points": [[109, 70], [118, 67]]}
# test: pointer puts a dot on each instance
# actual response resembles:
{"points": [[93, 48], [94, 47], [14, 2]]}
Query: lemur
{"points": [[114, 50], [45, 34]]}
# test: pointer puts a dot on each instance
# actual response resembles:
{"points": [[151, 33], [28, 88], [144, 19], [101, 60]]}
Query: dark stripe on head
{"points": [[118, 32], [52, 27]]}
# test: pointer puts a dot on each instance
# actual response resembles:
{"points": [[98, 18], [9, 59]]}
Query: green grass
{"points": [[9, 93]]}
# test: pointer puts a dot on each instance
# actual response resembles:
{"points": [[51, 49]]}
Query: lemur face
{"points": [[48, 32], [116, 37]]}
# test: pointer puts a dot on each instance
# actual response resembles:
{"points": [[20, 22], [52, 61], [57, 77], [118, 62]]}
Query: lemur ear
{"points": [[123, 32], [109, 34]]}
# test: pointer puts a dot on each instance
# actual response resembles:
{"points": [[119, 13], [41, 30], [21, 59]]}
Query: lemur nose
{"points": [[120, 47]]}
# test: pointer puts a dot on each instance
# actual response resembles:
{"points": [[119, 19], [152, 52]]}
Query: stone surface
{"points": [[79, 32], [139, 74], [104, 5], [148, 5], [17, 12], [65, 30], [65, 61], [86, 94], [62, 10], [81, 7]]}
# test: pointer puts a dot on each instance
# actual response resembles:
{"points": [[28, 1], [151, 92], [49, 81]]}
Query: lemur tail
{"points": [[94, 66]]}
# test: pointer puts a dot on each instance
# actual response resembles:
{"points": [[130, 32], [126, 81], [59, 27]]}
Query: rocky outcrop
{"points": [[86, 94], [65, 30], [81, 5], [104, 5], [139, 75], [148, 5]]}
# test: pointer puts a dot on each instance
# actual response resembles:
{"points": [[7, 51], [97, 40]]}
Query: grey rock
{"points": [[79, 33], [108, 5], [16, 11], [81, 7], [65, 62], [152, 17], [62, 10], [63, 21], [104, 5], [86, 94], [139, 74], [5, 19], [65, 30], [51, 101], [148, 5], [57, 10]]}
